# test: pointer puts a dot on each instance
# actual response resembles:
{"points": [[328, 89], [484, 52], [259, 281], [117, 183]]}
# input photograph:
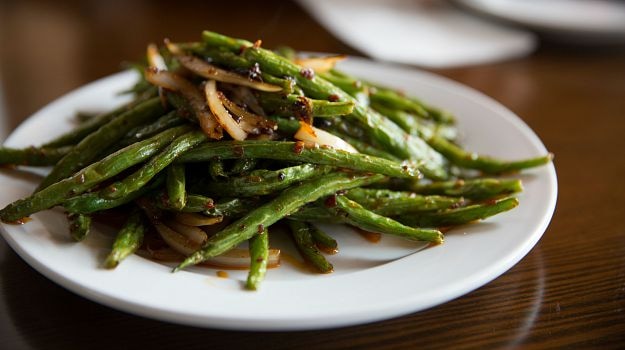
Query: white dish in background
{"points": [[371, 282], [578, 21], [432, 34]]}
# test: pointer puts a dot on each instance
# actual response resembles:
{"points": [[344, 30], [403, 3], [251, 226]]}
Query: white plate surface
{"points": [[371, 281], [581, 21]]}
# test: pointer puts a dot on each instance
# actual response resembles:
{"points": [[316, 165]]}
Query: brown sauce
{"points": [[372, 237]]}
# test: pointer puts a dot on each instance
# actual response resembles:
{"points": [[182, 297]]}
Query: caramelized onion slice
{"points": [[175, 240], [250, 122], [310, 134], [173, 48], [154, 58], [192, 233], [320, 64], [175, 82], [221, 114], [207, 70], [195, 219]]}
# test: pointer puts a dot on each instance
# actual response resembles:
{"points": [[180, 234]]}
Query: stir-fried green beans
{"points": [[215, 169], [128, 240]]}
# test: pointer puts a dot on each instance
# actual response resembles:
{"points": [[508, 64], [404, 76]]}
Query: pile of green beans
{"points": [[150, 162]]}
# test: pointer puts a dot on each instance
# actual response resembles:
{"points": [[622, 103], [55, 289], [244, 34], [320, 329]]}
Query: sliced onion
{"points": [[207, 70], [320, 64], [250, 122], [192, 233], [235, 259], [195, 219], [175, 82], [221, 114], [309, 133], [175, 240], [245, 97], [154, 58], [162, 254], [173, 48]]}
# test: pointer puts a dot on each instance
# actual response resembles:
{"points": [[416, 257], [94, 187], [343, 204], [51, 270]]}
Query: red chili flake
{"points": [[209, 204], [261, 229], [307, 73], [302, 109], [259, 259], [333, 98], [242, 48], [298, 147], [257, 43], [330, 202]]}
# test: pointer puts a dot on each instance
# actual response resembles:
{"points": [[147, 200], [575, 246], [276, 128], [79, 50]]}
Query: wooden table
{"points": [[568, 291]]}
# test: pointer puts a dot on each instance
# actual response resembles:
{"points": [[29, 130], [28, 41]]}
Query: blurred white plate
{"points": [[371, 281], [582, 21], [425, 33]]}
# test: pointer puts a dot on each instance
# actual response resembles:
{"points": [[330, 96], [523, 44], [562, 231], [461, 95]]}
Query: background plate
{"points": [[371, 281]]}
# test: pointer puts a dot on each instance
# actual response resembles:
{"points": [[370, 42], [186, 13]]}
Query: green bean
{"points": [[195, 203], [128, 240], [243, 166], [140, 177], [292, 151], [88, 149], [92, 202], [284, 204], [90, 176], [302, 236], [33, 156], [262, 182], [142, 132], [323, 240], [259, 254], [393, 99], [489, 165], [350, 85], [476, 189], [75, 135], [355, 215], [315, 213], [79, 225], [217, 169], [303, 107], [459, 216], [176, 185], [286, 126], [366, 148], [392, 203]]}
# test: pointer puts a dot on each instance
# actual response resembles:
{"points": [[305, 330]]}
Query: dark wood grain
{"points": [[569, 291]]}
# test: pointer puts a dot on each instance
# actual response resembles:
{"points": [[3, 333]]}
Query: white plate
{"points": [[371, 281], [579, 21]]}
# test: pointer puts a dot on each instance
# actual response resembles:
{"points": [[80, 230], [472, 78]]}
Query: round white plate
{"points": [[371, 281], [580, 21]]}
